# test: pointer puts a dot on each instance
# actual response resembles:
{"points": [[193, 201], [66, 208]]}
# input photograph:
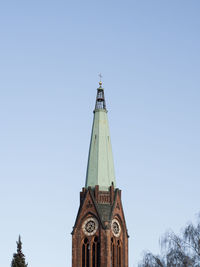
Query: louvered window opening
{"points": [[91, 253], [116, 251]]}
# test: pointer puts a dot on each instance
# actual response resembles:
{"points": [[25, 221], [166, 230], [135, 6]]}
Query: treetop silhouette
{"points": [[19, 258]]}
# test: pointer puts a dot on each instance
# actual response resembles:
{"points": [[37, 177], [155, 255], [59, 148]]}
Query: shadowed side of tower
{"points": [[99, 236]]}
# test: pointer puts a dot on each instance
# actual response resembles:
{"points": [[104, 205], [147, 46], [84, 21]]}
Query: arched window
{"points": [[119, 253], [116, 253], [120, 256], [91, 251], [85, 253], [112, 252], [96, 252]]}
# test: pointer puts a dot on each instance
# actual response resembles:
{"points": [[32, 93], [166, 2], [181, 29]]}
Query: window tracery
{"points": [[91, 252], [116, 252]]}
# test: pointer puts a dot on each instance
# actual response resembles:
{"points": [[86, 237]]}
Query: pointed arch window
{"points": [[96, 252], [91, 253], [112, 252], [85, 253], [119, 253], [116, 253]]}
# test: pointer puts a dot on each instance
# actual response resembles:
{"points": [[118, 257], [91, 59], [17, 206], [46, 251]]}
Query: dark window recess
{"points": [[98, 254], [120, 257], [91, 252], [83, 255], [88, 257], [113, 255], [94, 255]]}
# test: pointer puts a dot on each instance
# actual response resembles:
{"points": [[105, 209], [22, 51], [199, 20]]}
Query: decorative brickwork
{"points": [[99, 236]]}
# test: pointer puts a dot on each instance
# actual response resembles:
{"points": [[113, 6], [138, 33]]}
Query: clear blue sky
{"points": [[50, 55]]}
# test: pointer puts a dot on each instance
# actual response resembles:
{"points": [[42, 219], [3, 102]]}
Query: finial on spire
{"points": [[100, 76]]}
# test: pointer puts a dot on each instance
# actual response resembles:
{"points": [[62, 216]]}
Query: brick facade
{"points": [[103, 248]]}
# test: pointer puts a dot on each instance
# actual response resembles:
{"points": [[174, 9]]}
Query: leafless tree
{"points": [[177, 250]]}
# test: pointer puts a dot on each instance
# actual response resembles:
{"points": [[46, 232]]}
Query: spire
{"points": [[100, 169]]}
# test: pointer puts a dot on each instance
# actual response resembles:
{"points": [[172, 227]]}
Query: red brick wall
{"points": [[88, 199]]}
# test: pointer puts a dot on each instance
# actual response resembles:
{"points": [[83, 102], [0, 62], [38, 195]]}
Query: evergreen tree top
{"points": [[19, 258]]}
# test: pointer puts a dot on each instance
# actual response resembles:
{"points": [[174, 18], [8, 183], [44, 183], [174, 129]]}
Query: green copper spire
{"points": [[100, 169]]}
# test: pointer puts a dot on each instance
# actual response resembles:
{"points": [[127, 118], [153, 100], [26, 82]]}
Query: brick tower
{"points": [[99, 236]]}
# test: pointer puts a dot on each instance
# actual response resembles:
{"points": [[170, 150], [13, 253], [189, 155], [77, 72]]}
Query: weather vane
{"points": [[100, 76]]}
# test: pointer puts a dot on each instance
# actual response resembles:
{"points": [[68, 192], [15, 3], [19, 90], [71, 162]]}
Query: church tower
{"points": [[99, 236]]}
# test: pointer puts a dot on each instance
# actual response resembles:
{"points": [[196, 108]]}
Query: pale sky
{"points": [[51, 53]]}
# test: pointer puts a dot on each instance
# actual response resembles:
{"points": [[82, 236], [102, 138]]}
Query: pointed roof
{"points": [[100, 169]]}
